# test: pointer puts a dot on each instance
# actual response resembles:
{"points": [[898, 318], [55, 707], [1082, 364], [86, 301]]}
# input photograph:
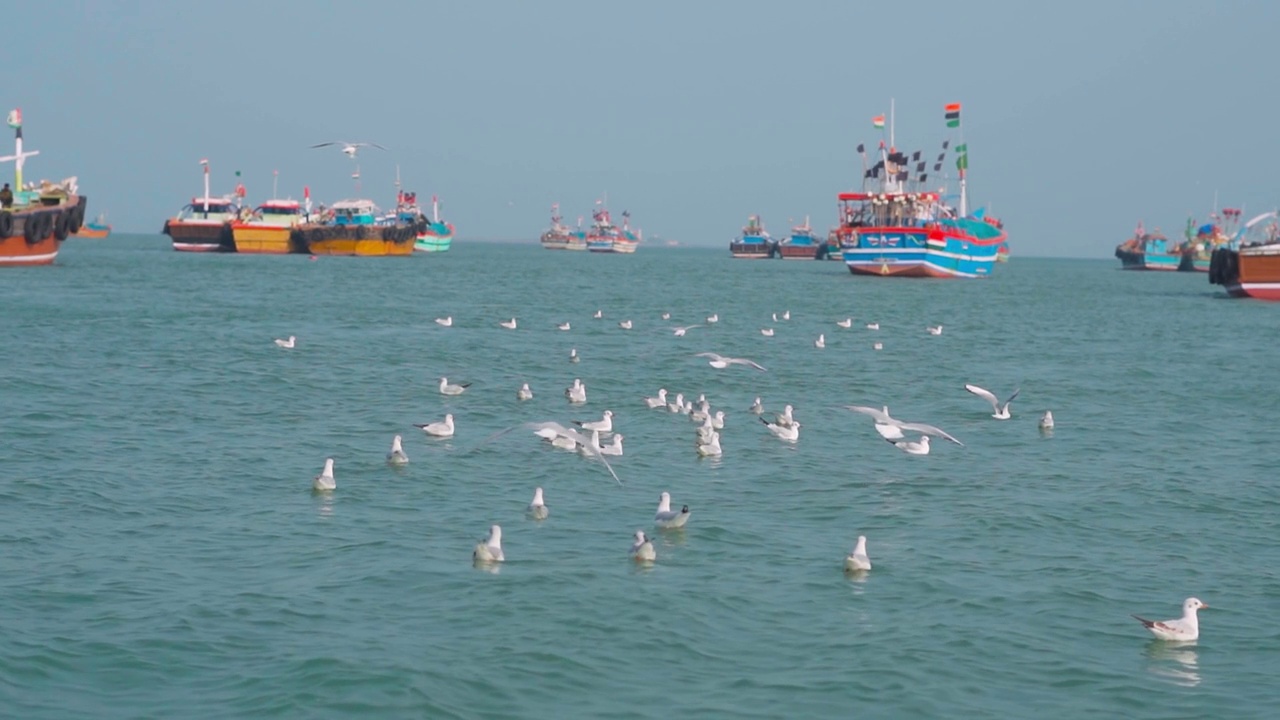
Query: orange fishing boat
{"points": [[268, 230], [96, 230], [205, 224], [35, 219]]}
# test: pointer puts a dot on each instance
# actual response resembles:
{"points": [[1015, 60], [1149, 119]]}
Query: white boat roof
{"points": [[362, 205]]}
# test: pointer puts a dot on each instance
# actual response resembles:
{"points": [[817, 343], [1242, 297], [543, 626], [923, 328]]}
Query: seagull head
{"points": [[1191, 604]]}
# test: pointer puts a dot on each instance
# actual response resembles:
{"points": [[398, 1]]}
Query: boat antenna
{"points": [[18, 157], [275, 183], [205, 163], [892, 147]]}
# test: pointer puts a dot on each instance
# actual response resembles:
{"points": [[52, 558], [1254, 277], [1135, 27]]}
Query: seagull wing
{"points": [[375, 145], [889, 432], [985, 394], [327, 144], [929, 430], [1011, 397], [713, 356], [879, 415], [744, 361]]}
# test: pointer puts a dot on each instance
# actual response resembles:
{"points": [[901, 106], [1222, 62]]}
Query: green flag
{"points": [[237, 173], [962, 162], [962, 148]]}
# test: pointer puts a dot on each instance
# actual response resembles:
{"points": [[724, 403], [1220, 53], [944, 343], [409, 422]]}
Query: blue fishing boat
{"points": [[755, 242], [1148, 251], [802, 244]]}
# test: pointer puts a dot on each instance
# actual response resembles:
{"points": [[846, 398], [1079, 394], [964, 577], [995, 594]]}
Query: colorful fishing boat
{"points": [[35, 219], [605, 237], [352, 227], [1252, 268], [204, 225], [802, 244], [97, 229], [557, 236], [1202, 240], [1002, 253], [268, 229], [755, 242], [896, 227], [1148, 251], [435, 235]]}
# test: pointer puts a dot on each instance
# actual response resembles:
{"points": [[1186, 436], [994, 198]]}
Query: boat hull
{"points": [[199, 236], [91, 232], [625, 247], [255, 239], [433, 243], [600, 246], [789, 251], [753, 251], [356, 240], [919, 252], [1248, 272], [42, 248], [1138, 260]]}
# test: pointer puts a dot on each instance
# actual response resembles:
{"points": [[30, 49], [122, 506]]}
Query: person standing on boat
{"points": [[6, 196]]}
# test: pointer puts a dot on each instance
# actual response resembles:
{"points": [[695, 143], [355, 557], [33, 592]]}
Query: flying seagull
{"points": [[349, 148]]}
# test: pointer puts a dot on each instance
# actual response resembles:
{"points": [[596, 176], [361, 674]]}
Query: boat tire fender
{"points": [[6, 224], [75, 219], [61, 225]]}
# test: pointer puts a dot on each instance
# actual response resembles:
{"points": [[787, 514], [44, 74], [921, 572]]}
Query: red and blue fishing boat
{"points": [[1148, 251], [755, 242], [802, 244], [896, 225]]}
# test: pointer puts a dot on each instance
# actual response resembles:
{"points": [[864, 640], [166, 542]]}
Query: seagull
{"points": [[615, 449], [713, 318], [680, 331], [605, 424], [524, 393], [556, 440], [1001, 410], [920, 447], [553, 430], [885, 424], [678, 405], [439, 429], [577, 392], [711, 447], [935, 330], [669, 519], [717, 420], [721, 362], [447, 389], [873, 326], [573, 355], [563, 326], [489, 551], [397, 456], [775, 317], [538, 509], [658, 402], [509, 324], [324, 482], [1184, 628], [786, 315], [625, 324], [785, 418], [599, 314], [287, 344], [756, 408], [821, 342], [1046, 422], [857, 561], [666, 316], [767, 332], [349, 148], [878, 346], [790, 433], [845, 323], [445, 321], [642, 550]]}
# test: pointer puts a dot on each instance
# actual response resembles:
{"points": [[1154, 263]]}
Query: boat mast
{"points": [[205, 163], [891, 144], [275, 184], [435, 209], [19, 157]]}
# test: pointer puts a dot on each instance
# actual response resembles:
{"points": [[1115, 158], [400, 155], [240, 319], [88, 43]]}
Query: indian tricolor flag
{"points": [[878, 121]]}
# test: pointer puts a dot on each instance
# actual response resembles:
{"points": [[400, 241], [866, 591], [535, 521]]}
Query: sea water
{"points": [[162, 553]]}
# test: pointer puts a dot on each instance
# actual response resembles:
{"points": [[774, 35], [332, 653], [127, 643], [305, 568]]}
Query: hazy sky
{"points": [[1081, 117]]}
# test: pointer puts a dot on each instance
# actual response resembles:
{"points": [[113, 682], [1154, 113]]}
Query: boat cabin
{"points": [[354, 212]]}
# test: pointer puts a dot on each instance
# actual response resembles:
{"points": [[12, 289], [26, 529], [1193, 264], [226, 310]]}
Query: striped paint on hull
{"points": [[914, 252], [433, 243], [16, 251]]}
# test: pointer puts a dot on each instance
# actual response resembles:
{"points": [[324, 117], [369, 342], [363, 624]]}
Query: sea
{"points": [[163, 554]]}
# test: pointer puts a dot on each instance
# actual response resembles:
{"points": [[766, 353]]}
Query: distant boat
{"points": [[204, 225], [268, 230], [1002, 253], [353, 227], [96, 230], [605, 237], [1148, 251], [435, 235], [802, 244], [1202, 240], [559, 236], [755, 242]]}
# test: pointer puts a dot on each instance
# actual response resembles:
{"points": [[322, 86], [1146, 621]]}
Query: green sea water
{"points": [[162, 553]]}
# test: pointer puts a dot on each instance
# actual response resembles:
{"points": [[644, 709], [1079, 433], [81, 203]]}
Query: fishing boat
{"points": [[896, 226], [1202, 240], [96, 229], [1148, 251], [353, 227], [204, 225], [1252, 268], [605, 237], [755, 242], [802, 244], [557, 236], [1002, 253], [435, 235], [40, 215], [268, 229]]}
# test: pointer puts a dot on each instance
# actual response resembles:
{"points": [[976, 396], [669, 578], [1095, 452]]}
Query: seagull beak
{"points": [[1204, 605]]}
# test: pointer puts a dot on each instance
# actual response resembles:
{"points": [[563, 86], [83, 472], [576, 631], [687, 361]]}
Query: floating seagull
{"points": [[669, 519], [717, 420], [448, 389], [615, 449], [550, 430], [349, 148], [935, 330], [821, 342], [920, 447], [563, 326], [678, 405], [397, 456], [642, 550], [785, 418], [556, 440], [439, 429], [604, 424], [721, 362], [324, 482], [573, 355], [445, 321], [509, 324], [756, 408], [878, 346], [524, 393], [625, 324], [767, 332], [786, 315], [857, 561], [884, 423], [1001, 410], [1046, 422], [577, 392], [790, 433], [680, 331], [713, 318], [1184, 628], [845, 323], [489, 551], [775, 317], [538, 509], [873, 326], [710, 448], [657, 402], [666, 316], [599, 314], [287, 344]]}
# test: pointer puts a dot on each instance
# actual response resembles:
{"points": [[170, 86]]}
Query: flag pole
{"points": [[891, 143]]}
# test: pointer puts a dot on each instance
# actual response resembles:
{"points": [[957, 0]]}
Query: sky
{"points": [[1081, 118]]}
